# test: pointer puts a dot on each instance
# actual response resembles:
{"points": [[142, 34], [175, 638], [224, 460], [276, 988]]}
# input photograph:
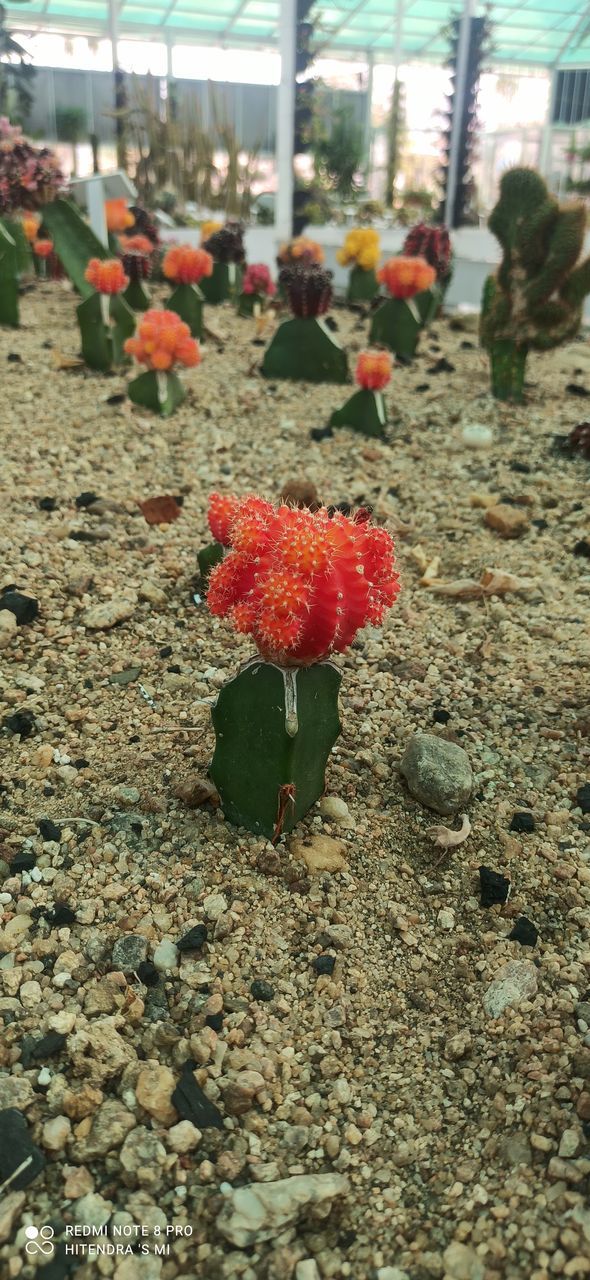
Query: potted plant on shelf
{"points": [[186, 268], [300, 584], [361, 252], [397, 322], [303, 348], [365, 410], [105, 319], [163, 340]]}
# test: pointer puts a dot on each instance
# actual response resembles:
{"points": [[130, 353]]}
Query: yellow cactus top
{"points": [[361, 248], [209, 229], [301, 251]]}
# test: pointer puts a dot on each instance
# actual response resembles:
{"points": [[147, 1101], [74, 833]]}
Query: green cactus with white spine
{"points": [[535, 300]]}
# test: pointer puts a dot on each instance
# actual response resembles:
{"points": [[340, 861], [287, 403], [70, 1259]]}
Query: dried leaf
{"points": [[419, 555], [66, 362], [493, 582], [459, 589], [161, 510], [446, 838], [430, 574]]}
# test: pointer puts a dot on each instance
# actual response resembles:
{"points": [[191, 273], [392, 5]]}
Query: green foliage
{"points": [[70, 123], [16, 76], [365, 412], [8, 279], [160, 392], [304, 350], [103, 342], [396, 324], [338, 151], [73, 240], [395, 138], [187, 301]]}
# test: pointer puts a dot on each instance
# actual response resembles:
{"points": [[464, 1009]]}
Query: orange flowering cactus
{"points": [[301, 584], [163, 340], [106, 276], [43, 248], [373, 370], [185, 265], [403, 277], [30, 224], [300, 252], [118, 216]]}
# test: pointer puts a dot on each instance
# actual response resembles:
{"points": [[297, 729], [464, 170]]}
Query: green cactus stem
{"points": [[105, 322], [207, 558], [428, 304], [251, 304], [24, 256], [508, 364], [160, 392], [223, 284], [365, 412], [274, 730], [363, 285], [535, 300], [305, 350], [187, 301], [9, 314], [73, 241], [396, 324], [137, 296]]}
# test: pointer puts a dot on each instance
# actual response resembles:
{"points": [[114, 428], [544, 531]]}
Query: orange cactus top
{"points": [[137, 244], [185, 265], [118, 216], [301, 583], [43, 248], [106, 276], [403, 277], [163, 340], [301, 251], [373, 370], [30, 225]]}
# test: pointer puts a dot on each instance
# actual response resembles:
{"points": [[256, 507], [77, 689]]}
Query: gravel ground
{"points": [[454, 1143]]}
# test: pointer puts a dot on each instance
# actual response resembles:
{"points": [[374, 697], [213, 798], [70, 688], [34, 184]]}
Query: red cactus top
{"points": [[301, 583]]}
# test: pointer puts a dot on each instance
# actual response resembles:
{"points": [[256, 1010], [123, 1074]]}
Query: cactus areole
{"points": [[301, 584], [535, 300]]}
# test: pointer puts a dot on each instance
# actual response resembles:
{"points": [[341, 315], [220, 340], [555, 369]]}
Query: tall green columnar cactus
{"points": [[535, 300], [8, 279]]}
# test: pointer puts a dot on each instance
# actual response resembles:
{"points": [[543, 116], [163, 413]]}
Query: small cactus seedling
{"points": [[136, 256], [257, 288], [301, 584], [105, 319], [187, 268], [226, 247], [162, 341], [397, 322], [9, 313], [42, 250], [535, 300], [303, 348], [365, 410], [361, 251]]}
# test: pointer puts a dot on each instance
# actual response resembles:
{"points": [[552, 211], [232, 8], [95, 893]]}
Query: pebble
{"points": [[103, 616], [336, 810], [214, 905], [56, 1133], [515, 982], [261, 990], [255, 1213], [8, 628], [11, 1206], [508, 521], [437, 773], [319, 853], [127, 796], [154, 1088], [446, 919], [570, 1144], [183, 1137], [128, 952], [462, 1263], [477, 436], [166, 955]]}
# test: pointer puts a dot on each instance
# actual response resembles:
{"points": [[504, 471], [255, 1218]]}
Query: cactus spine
{"points": [[535, 300]]}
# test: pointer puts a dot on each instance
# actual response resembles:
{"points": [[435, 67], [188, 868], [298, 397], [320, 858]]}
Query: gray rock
{"points": [[437, 773], [129, 951], [515, 982], [166, 955], [255, 1213]]}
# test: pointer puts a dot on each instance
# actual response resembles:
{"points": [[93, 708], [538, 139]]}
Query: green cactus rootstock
{"points": [[251, 304], [158, 391], [363, 285], [24, 255], [535, 301], [137, 296], [74, 242], [364, 412], [428, 303], [105, 322], [274, 730], [9, 313], [223, 284], [396, 324], [305, 350], [187, 301], [207, 558]]}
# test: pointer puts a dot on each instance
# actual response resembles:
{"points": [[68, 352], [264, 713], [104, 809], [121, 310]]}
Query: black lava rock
{"points": [[192, 1104], [321, 433], [49, 830], [583, 797], [25, 608], [525, 932], [23, 861], [261, 990], [422, 386], [442, 366], [582, 548], [194, 939], [47, 504], [117, 398], [38, 1050], [14, 358], [324, 964], [21, 722], [494, 887], [440, 716], [148, 974], [576, 389], [86, 499], [17, 1151], [60, 914], [215, 1021], [522, 822]]}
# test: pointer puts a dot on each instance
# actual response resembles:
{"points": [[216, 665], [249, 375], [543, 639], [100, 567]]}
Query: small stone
{"points": [[8, 628], [338, 936], [494, 887], [30, 994], [10, 1210], [214, 905], [92, 1210], [49, 831], [514, 983], [196, 791], [78, 1182], [261, 990], [392, 1273], [319, 853], [323, 964], [123, 678], [183, 1137], [446, 919], [193, 1104], [523, 822], [255, 1213], [458, 1046], [100, 617], [583, 797], [508, 521], [127, 796], [477, 436], [525, 932], [307, 1269], [166, 956], [154, 594], [462, 1263], [583, 1106], [570, 1144], [194, 940], [336, 810], [24, 607], [128, 952], [154, 1088], [56, 1133], [437, 772]]}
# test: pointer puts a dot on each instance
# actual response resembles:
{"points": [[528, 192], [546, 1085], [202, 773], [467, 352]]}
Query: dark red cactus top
{"points": [[308, 288], [433, 244], [300, 582], [227, 244]]}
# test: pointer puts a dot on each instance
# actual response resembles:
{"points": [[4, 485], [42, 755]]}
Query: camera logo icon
{"points": [[40, 1240]]}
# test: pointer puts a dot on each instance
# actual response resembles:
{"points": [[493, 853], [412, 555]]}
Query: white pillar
{"points": [[458, 102], [547, 133], [397, 57], [285, 122], [368, 122], [114, 33]]}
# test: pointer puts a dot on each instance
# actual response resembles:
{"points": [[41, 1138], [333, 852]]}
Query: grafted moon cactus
{"points": [[535, 300], [301, 584]]}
